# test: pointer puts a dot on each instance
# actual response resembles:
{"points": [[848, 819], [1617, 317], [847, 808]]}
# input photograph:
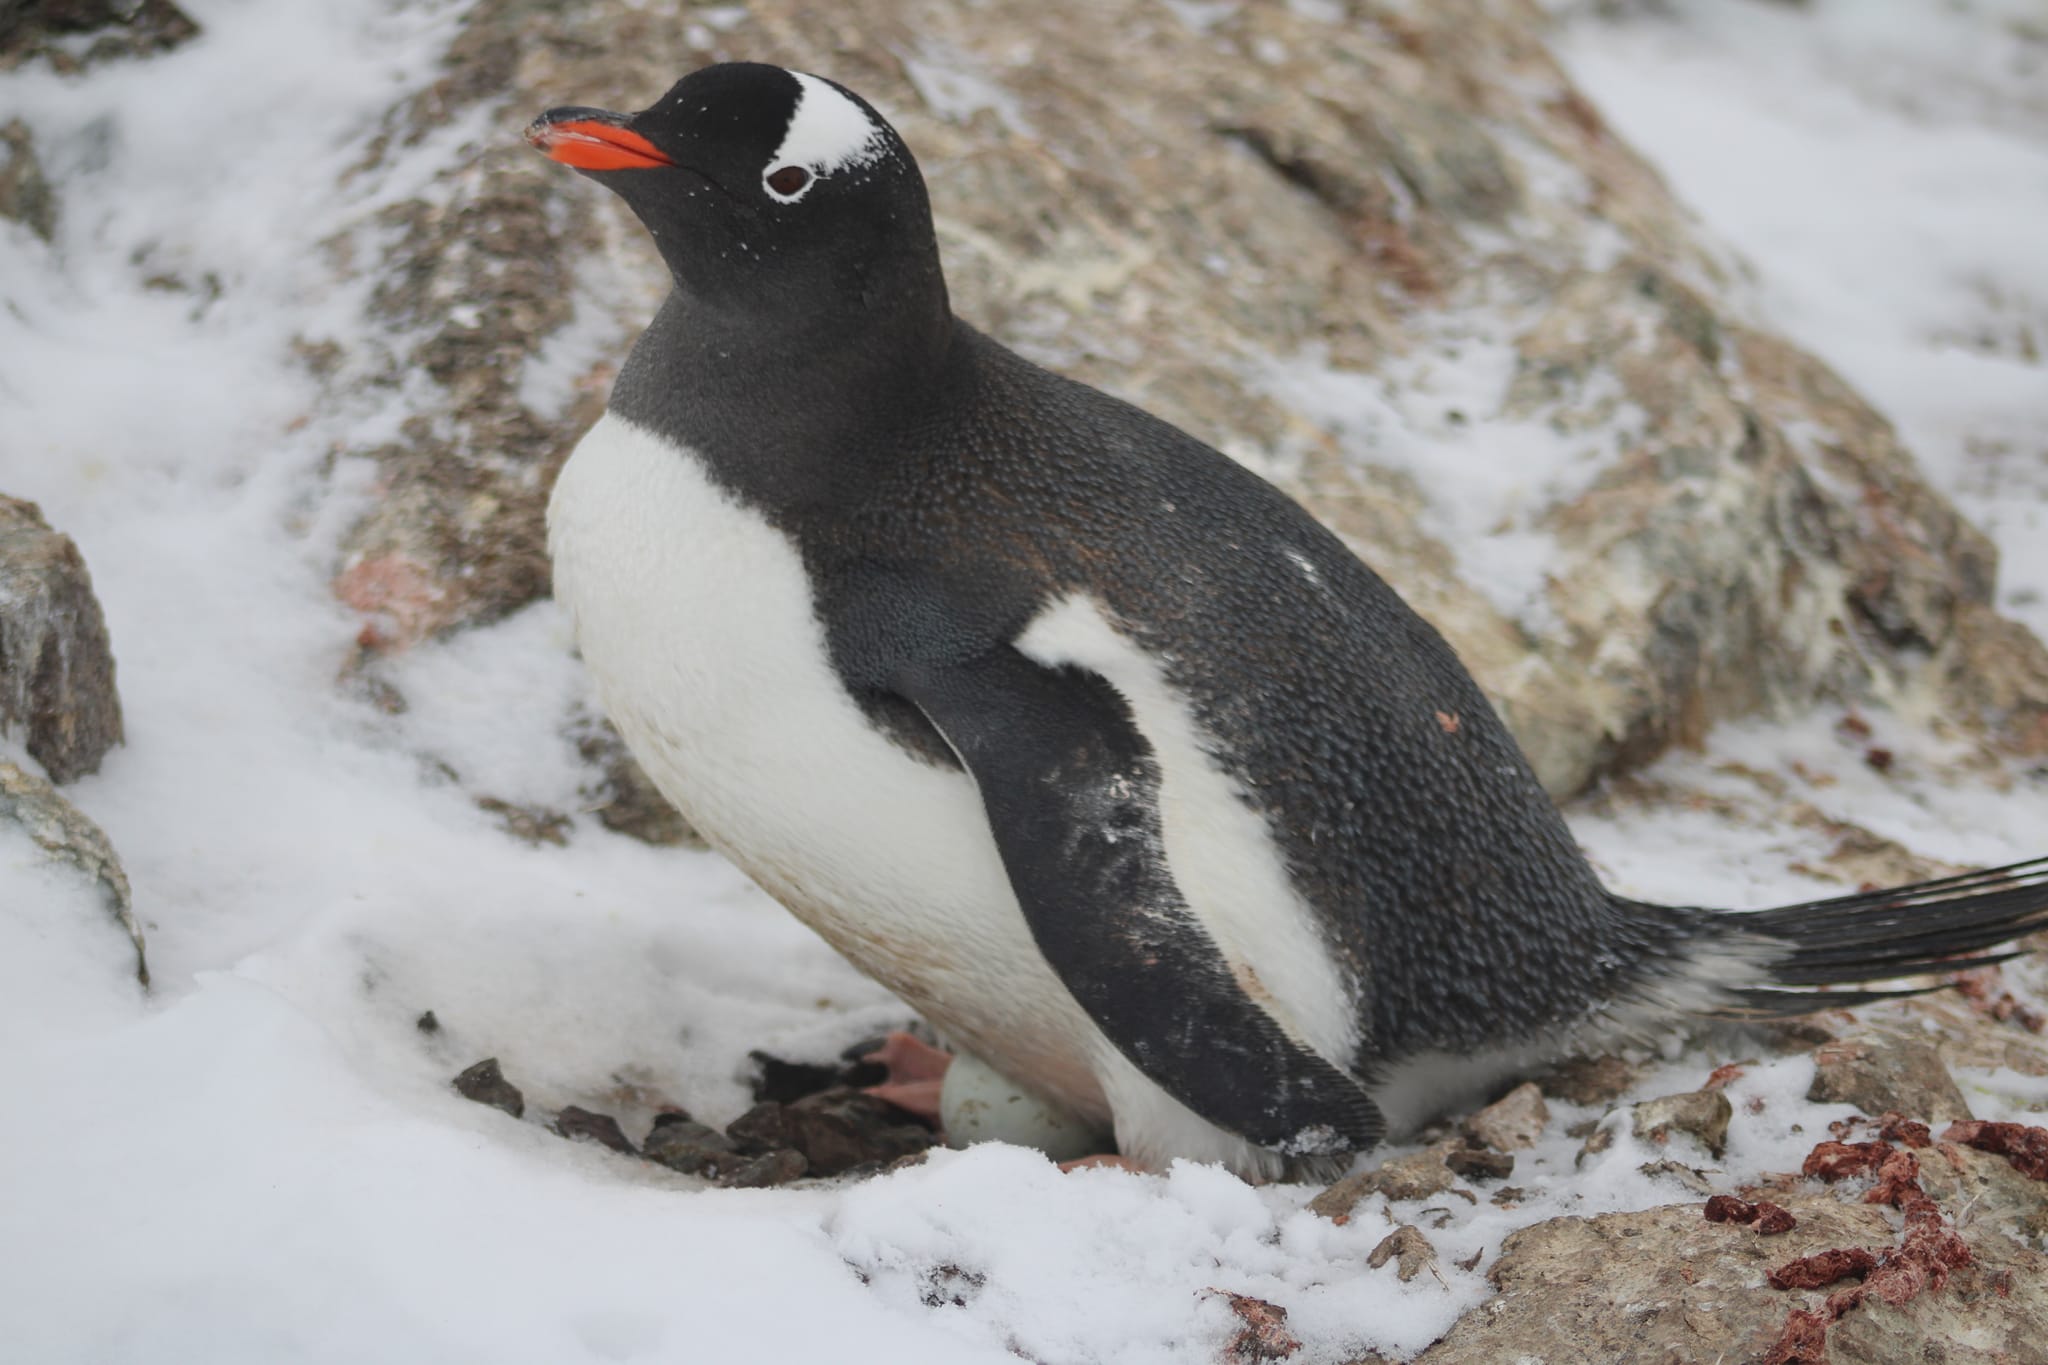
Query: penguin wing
{"points": [[1070, 788]]}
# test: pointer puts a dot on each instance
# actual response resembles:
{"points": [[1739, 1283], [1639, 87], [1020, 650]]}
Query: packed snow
{"points": [[262, 1160]]}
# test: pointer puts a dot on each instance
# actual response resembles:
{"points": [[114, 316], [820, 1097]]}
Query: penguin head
{"points": [[766, 190]]}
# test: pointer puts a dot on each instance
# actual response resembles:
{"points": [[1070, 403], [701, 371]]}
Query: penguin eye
{"points": [[787, 181]]}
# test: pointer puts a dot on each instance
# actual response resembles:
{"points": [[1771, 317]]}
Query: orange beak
{"points": [[593, 140]]}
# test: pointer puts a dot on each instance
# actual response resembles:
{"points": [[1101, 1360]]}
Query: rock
{"points": [[531, 825], [1362, 204], [625, 798], [1415, 1176], [56, 666], [1671, 1286], [1689, 1177], [25, 195], [1589, 1080], [1877, 1069], [1991, 1311], [682, 1144], [760, 1129], [835, 1131], [579, 1124], [778, 1167], [1513, 1121], [51, 29], [1408, 1248], [486, 1084], [1476, 1163], [1990, 1187], [62, 831], [1703, 1114], [1263, 1336]]}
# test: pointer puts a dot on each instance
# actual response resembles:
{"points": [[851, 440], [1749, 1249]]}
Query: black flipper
{"points": [[1946, 925], [1070, 788]]}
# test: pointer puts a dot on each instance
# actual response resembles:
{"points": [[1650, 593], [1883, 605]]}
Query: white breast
{"points": [[696, 619]]}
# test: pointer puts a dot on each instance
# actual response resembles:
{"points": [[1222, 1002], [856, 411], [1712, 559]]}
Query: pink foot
{"points": [[916, 1072], [1107, 1161]]}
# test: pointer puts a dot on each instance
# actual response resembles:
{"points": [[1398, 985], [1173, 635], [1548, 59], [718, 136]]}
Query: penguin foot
{"points": [[917, 1072]]}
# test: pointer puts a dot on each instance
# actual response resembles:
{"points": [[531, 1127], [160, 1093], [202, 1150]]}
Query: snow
{"points": [[261, 1160]]}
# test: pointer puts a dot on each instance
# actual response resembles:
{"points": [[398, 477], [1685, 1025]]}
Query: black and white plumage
{"points": [[1077, 735]]}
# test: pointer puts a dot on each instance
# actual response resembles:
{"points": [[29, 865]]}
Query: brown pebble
{"points": [[682, 1144], [1407, 1248], [485, 1084], [778, 1167], [575, 1122], [1476, 1163]]}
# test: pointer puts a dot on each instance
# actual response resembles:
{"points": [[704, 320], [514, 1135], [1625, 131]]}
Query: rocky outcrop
{"points": [[73, 34], [1666, 1284], [69, 838], [56, 666], [1369, 248]]}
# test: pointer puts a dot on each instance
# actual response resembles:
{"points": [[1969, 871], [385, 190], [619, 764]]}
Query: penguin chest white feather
{"points": [[697, 621]]}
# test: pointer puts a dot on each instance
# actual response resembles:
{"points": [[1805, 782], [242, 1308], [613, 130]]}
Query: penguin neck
{"points": [[790, 415]]}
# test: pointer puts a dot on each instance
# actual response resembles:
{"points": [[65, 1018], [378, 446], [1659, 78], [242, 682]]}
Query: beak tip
{"points": [[593, 140]]}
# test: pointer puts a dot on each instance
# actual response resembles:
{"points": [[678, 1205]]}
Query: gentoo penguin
{"points": [[1088, 743]]}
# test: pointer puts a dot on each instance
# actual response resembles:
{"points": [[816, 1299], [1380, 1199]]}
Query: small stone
{"points": [[486, 1084], [1512, 1122], [535, 825], [1878, 1070], [1667, 1169], [1415, 1176], [1264, 1335], [840, 1129], [427, 1023], [836, 1130], [1588, 1080], [761, 1129], [682, 1144], [1410, 1251], [1477, 1163], [778, 1167], [577, 1123], [1703, 1114]]}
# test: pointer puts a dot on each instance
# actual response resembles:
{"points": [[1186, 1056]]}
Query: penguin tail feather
{"points": [[1947, 925]]}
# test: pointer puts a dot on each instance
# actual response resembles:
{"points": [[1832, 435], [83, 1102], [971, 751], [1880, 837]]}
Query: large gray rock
{"points": [[1395, 193], [56, 666]]}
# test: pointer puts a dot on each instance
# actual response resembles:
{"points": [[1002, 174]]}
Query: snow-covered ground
{"points": [[263, 1161]]}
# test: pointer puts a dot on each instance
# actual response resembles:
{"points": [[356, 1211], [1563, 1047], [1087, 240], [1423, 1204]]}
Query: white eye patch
{"points": [[828, 132]]}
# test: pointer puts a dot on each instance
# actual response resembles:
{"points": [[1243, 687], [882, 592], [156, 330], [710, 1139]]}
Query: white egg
{"points": [[978, 1104]]}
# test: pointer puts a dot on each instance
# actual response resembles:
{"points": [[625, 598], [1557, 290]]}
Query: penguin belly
{"points": [[697, 621]]}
